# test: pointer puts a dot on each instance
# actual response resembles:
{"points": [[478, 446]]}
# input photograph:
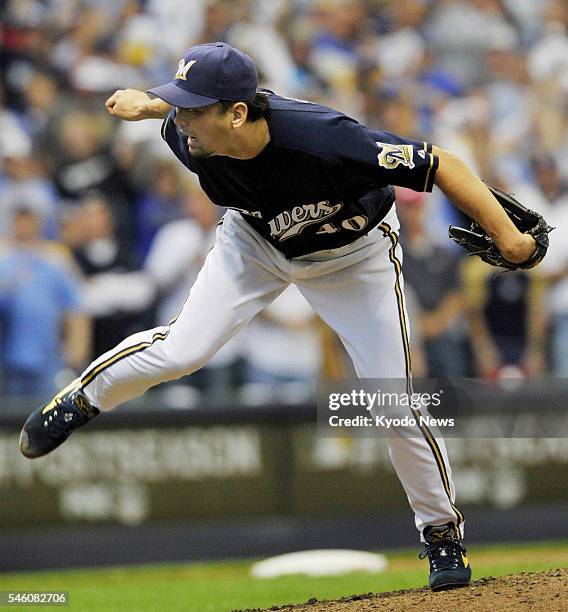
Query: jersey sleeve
{"points": [[383, 158]]}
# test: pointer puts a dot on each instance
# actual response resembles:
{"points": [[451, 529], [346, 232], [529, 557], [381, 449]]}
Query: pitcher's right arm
{"points": [[135, 105]]}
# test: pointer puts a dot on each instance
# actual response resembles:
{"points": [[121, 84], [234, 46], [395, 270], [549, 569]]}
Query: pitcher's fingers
{"points": [[112, 100]]}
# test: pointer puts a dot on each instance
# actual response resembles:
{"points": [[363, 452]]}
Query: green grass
{"points": [[222, 587]]}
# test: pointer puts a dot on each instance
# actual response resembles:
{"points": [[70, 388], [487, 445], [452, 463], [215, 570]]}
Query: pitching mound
{"points": [[527, 591]]}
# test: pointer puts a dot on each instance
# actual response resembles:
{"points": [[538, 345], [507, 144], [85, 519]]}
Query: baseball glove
{"points": [[477, 242]]}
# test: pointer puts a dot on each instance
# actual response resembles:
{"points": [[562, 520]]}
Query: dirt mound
{"points": [[527, 591]]}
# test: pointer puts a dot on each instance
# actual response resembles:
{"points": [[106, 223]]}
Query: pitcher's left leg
{"points": [[369, 315], [364, 304]]}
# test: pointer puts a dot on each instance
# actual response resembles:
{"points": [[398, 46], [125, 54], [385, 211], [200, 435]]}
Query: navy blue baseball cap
{"points": [[209, 73]]}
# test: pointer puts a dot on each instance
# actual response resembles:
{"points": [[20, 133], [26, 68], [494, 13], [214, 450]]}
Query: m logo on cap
{"points": [[183, 69]]}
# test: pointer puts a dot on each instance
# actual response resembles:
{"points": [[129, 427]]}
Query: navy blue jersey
{"points": [[323, 180]]}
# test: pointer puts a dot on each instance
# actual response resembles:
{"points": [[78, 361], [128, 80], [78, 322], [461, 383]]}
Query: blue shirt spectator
{"points": [[37, 295]]}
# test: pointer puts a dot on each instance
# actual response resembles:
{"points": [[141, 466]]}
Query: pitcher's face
{"points": [[207, 129]]}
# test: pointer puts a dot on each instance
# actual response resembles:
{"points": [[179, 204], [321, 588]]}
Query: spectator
{"points": [[461, 32], [510, 110], [401, 50], [507, 320], [549, 195], [548, 57], [265, 45], [114, 293], [183, 21], [21, 180], [84, 163], [159, 204], [544, 187], [334, 54], [43, 102], [39, 305], [189, 238]]}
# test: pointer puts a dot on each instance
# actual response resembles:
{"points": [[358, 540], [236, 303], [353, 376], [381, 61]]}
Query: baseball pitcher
{"points": [[309, 199]]}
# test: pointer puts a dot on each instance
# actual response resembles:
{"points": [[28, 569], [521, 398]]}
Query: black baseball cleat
{"points": [[449, 567], [49, 426]]}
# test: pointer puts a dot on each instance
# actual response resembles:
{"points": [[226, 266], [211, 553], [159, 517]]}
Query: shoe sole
{"points": [[449, 585], [25, 446]]}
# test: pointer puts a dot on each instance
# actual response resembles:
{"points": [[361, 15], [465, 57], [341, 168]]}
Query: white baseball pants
{"points": [[357, 290]]}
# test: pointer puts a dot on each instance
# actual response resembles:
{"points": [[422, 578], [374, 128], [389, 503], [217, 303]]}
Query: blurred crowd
{"points": [[102, 231]]}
